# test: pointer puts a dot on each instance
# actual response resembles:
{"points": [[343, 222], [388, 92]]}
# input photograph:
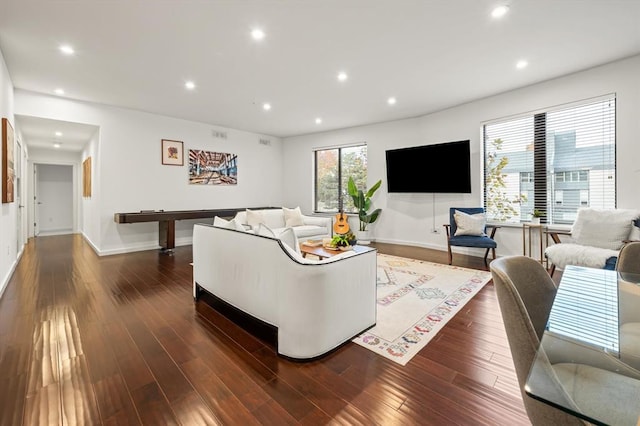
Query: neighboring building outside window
{"points": [[333, 167], [556, 161]]}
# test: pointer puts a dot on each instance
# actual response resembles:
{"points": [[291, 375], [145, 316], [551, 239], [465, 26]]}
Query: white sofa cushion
{"points": [[289, 239], [229, 224], [292, 217], [314, 227], [565, 254], [254, 218], [286, 235], [605, 229]]}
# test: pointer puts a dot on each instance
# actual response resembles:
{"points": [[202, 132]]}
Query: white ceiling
{"points": [[429, 54]]}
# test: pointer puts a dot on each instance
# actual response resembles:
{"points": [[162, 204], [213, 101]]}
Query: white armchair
{"points": [[595, 238]]}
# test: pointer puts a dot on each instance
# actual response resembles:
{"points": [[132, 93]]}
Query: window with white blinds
{"points": [[555, 161]]}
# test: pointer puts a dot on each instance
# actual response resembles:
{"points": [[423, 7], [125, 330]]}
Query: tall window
{"points": [[333, 167], [555, 161]]}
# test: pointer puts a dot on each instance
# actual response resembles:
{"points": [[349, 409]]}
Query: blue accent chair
{"points": [[486, 241]]}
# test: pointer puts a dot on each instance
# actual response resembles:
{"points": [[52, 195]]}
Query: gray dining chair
{"points": [[629, 258], [525, 294], [629, 261]]}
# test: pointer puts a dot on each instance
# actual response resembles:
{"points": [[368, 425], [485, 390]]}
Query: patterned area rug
{"points": [[415, 300]]}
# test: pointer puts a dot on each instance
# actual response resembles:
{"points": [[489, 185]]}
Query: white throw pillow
{"points": [[254, 218], [470, 224], [234, 224], [264, 230], [292, 217], [220, 222], [604, 228], [289, 238]]}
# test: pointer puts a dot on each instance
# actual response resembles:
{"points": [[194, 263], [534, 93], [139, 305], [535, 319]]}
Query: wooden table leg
{"points": [[167, 235]]}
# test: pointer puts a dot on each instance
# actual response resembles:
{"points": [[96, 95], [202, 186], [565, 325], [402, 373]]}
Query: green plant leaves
{"points": [[362, 202]]}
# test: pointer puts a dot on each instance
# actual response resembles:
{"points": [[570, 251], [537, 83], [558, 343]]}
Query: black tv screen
{"points": [[438, 168]]}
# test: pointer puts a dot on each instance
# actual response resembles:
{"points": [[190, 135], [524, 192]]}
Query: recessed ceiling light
{"points": [[59, 92], [318, 120], [67, 50], [190, 85], [522, 64], [391, 101], [500, 11], [58, 134], [57, 145], [266, 106], [257, 34], [342, 76]]}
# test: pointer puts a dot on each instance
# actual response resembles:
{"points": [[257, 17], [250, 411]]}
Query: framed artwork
{"points": [[212, 168], [86, 177], [172, 153], [8, 171]]}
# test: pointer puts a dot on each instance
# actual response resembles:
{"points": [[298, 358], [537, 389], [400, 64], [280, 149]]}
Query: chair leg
{"points": [[493, 252], [486, 253], [552, 270], [450, 255]]}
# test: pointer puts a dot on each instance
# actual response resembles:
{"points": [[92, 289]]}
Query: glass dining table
{"points": [[588, 361]]}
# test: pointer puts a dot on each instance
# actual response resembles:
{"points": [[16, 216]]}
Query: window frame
{"points": [[340, 188], [543, 195]]}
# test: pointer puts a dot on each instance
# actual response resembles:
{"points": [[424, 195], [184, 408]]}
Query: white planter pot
{"points": [[535, 221], [363, 237]]}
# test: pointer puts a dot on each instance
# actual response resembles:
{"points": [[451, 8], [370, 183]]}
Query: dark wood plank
{"points": [[118, 340]]}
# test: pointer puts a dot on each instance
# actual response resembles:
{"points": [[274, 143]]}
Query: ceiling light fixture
{"points": [[257, 34], [266, 106], [58, 134], [318, 120], [59, 92], [499, 11], [342, 76], [522, 64], [57, 145], [391, 101], [190, 85], [67, 50]]}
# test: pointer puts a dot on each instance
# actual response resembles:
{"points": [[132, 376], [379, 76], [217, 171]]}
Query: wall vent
{"points": [[219, 134], [265, 142]]}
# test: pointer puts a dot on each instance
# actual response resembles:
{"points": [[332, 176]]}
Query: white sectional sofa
{"points": [[305, 227], [315, 305]]}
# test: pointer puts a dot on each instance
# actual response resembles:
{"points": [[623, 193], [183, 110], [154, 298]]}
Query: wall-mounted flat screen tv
{"points": [[438, 168]]}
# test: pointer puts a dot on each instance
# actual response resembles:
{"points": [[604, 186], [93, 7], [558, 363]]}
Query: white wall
{"points": [[90, 211], [8, 211], [129, 176], [409, 218]]}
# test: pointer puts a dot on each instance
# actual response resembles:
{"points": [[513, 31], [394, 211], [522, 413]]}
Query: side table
{"points": [[528, 231]]}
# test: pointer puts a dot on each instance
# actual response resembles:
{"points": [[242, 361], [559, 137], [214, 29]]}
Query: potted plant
{"points": [[362, 202], [341, 241], [535, 216]]}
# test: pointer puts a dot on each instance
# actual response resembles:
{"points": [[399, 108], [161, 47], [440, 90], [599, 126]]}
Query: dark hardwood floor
{"points": [[119, 340]]}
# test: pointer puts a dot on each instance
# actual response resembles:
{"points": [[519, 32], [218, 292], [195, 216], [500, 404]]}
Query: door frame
{"points": [[31, 196]]}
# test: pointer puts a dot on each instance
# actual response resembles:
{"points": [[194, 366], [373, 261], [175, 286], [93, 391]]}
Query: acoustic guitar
{"points": [[341, 226]]}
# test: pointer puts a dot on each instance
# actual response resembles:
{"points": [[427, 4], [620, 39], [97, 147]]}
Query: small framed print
{"points": [[172, 153]]}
